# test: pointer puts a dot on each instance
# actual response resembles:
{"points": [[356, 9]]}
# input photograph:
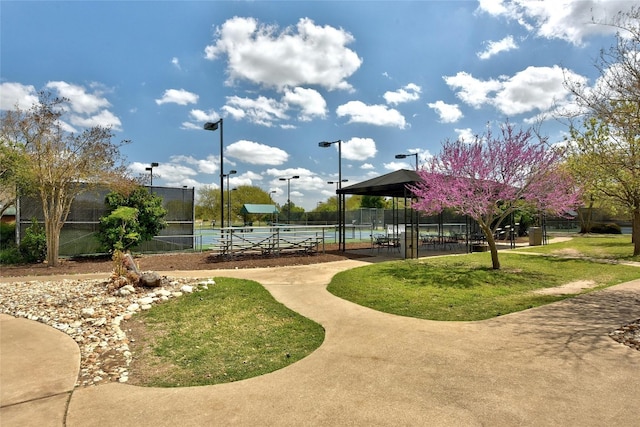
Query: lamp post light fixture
{"points": [[150, 169], [404, 156], [289, 195], [341, 233], [231, 172], [214, 126]]}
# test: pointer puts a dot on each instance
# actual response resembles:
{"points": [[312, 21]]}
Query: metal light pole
{"points": [[289, 196], [404, 156], [231, 172], [272, 213], [229, 205], [341, 232], [337, 183], [150, 169], [214, 126]]}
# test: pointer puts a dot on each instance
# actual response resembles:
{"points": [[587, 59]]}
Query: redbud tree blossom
{"points": [[492, 177]]}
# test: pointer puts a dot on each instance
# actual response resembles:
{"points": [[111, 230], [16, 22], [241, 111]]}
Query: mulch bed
{"points": [[180, 262]]}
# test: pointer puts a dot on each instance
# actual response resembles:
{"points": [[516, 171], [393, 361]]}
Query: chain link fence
{"points": [[78, 234]]}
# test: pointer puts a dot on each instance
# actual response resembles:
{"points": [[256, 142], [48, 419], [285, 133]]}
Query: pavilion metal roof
{"points": [[393, 184], [252, 208]]}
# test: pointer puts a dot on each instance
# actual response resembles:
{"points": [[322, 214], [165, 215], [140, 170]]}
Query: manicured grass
{"points": [[596, 246], [232, 331], [465, 287], [236, 330]]}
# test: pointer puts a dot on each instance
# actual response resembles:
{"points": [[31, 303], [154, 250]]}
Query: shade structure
{"points": [[252, 208], [393, 184]]}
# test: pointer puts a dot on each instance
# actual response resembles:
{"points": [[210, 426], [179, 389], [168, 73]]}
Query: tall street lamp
{"points": [[341, 236], [214, 126], [271, 198], [404, 156], [289, 195], [150, 169], [231, 172], [229, 197], [337, 183]]}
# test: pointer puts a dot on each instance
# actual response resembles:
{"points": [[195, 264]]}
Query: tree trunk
{"points": [[495, 262], [586, 218], [635, 232], [53, 241]]}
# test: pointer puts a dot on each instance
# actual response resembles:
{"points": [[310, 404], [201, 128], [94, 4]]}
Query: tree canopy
{"points": [[493, 177], [58, 163], [605, 141]]}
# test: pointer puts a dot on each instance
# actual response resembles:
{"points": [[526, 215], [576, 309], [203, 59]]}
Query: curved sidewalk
{"points": [[553, 365]]}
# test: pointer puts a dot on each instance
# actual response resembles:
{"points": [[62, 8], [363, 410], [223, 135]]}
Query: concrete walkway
{"points": [[548, 366]]}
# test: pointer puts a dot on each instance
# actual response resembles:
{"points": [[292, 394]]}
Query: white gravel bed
{"points": [[91, 315]]}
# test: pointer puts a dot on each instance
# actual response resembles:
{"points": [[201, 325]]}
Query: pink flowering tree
{"points": [[494, 176]]}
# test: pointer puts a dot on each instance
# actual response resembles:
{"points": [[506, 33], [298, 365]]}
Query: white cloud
{"points": [[569, 20], [367, 166], [204, 116], [177, 96], [252, 176], [210, 165], [287, 173], [394, 166], [380, 115], [465, 135], [190, 126], [177, 172], [16, 94], [264, 54], [359, 149], [410, 160], [310, 101], [534, 88], [449, 113], [83, 108], [262, 110], [80, 101], [176, 63], [104, 118], [472, 91], [494, 48], [256, 154], [410, 92]]}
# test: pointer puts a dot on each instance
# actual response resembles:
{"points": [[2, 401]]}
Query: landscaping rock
{"points": [[150, 279]]}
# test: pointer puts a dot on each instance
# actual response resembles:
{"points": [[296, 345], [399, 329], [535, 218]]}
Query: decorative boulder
{"points": [[150, 279]]}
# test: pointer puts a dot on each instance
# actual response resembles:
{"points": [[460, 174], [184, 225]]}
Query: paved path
{"points": [[549, 366]]}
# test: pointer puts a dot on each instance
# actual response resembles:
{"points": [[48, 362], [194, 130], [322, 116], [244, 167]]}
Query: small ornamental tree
{"points": [[120, 229], [149, 218], [494, 176]]}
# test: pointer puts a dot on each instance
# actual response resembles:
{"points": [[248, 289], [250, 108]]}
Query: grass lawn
{"points": [[597, 246], [232, 331], [236, 330], [466, 288]]}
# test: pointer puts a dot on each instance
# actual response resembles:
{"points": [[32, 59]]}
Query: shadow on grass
{"points": [[463, 276]]}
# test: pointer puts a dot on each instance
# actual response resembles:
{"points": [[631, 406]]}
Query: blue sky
{"points": [[386, 78]]}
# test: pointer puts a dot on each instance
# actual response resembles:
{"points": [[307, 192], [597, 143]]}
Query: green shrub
{"points": [[609, 228], [33, 246], [7, 235], [10, 256]]}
